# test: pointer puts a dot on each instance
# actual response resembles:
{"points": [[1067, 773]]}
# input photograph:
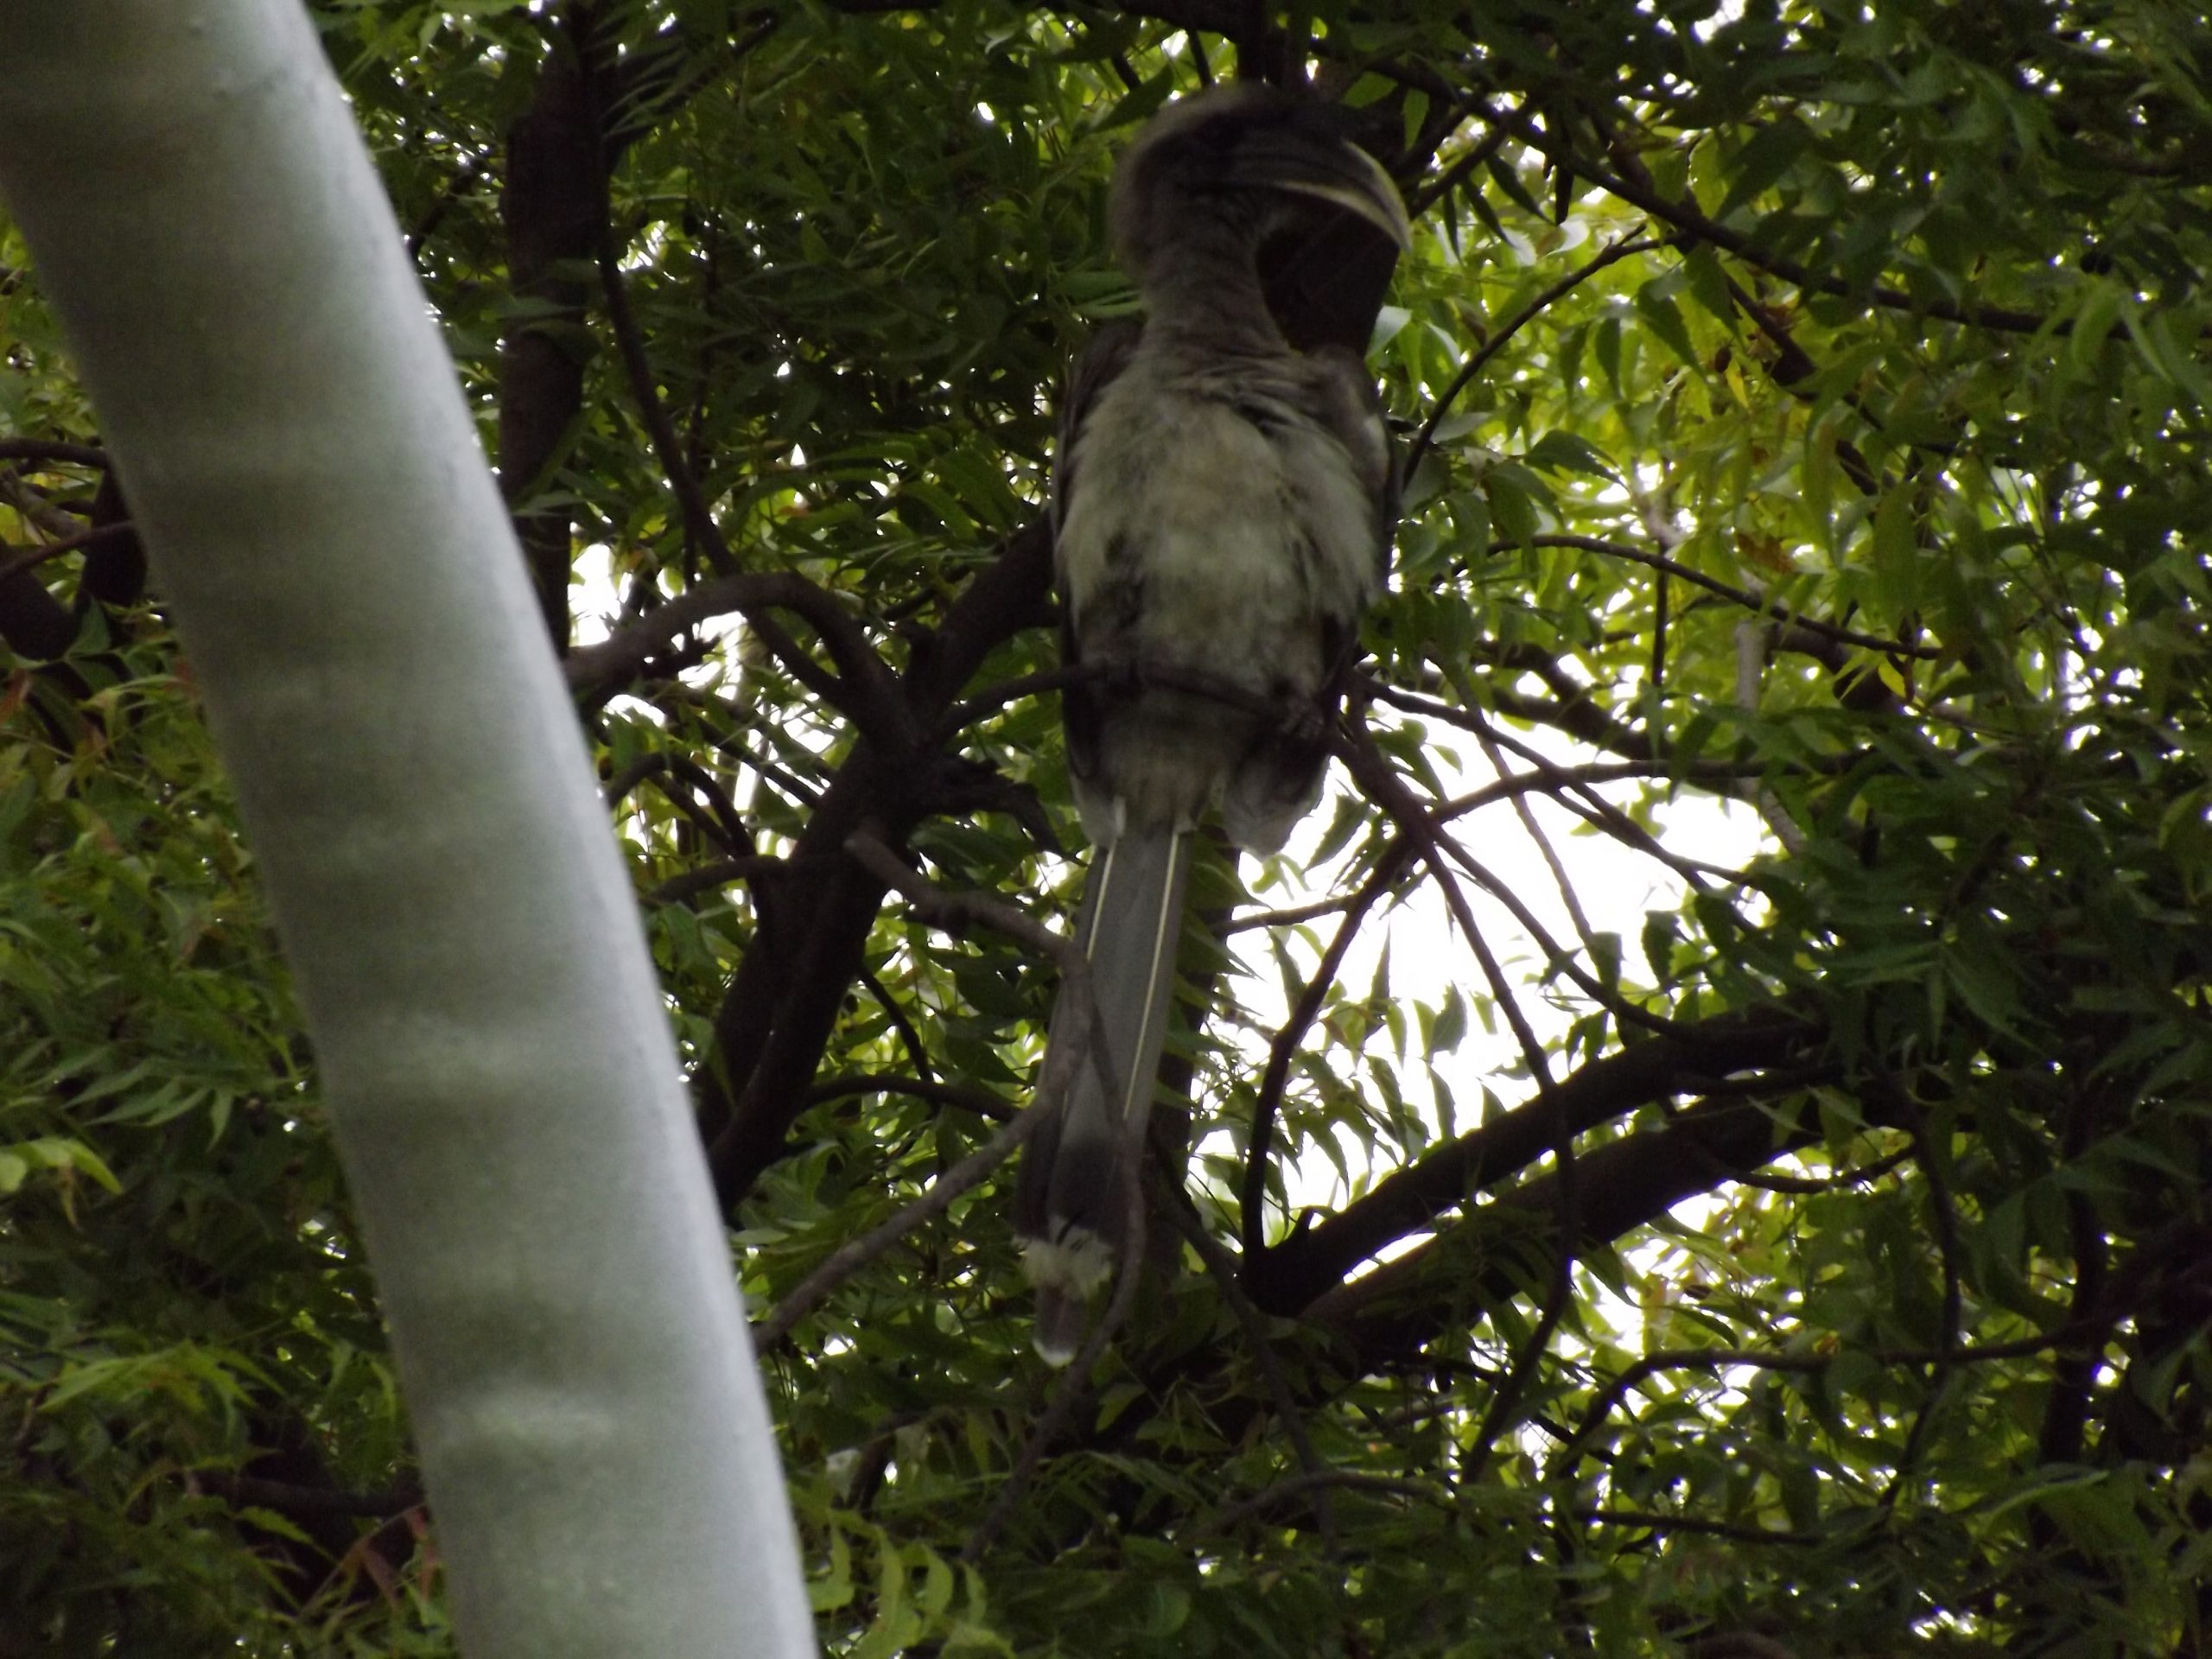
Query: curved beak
{"points": [[1329, 169]]}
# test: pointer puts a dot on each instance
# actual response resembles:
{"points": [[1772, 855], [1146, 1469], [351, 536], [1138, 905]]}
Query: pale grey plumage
{"points": [[1223, 506]]}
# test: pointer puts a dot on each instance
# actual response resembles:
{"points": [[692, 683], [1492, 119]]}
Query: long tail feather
{"points": [[1072, 1204]]}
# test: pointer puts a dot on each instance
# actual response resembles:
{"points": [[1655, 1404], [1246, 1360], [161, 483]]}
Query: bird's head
{"points": [[1276, 170]]}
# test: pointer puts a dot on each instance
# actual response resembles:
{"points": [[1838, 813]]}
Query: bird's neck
{"points": [[1202, 288]]}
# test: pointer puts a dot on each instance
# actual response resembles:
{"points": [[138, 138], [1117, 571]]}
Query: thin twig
{"points": [[1478, 360], [1674, 1359], [956, 912], [865, 689], [1253, 1190], [1744, 597], [850, 1257], [31, 558], [1074, 1387], [1385, 787], [964, 1097], [53, 450], [915, 1051], [1192, 1225], [1455, 174], [1535, 833], [1688, 218], [1298, 1486], [721, 873], [1704, 1528]]}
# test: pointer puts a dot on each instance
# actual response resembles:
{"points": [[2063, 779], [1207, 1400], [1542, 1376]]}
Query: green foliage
{"points": [[1836, 445]]}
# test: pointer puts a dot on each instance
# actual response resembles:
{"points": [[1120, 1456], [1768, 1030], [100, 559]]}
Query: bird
{"points": [[1224, 498]]}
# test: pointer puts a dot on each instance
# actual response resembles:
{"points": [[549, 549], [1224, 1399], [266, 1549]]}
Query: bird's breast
{"points": [[1218, 532]]}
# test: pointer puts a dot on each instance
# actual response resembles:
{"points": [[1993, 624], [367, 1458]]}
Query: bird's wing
{"points": [[1096, 367]]}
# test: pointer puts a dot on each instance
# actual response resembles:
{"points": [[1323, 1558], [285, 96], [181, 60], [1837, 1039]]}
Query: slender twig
{"points": [[1289, 916], [1573, 791], [850, 1257], [793, 787], [716, 816], [1703, 1529], [645, 391], [1675, 1359], [1480, 357], [956, 912], [52, 449], [1622, 1010], [31, 558], [1535, 833], [864, 689], [1357, 748], [1685, 217], [1792, 365], [964, 1097], [1074, 1388], [1810, 1185], [1298, 1486], [1744, 597], [1385, 787], [1457, 174], [708, 877], [915, 1051], [1192, 1225], [1252, 1193], [992, 698], [753, 594]]}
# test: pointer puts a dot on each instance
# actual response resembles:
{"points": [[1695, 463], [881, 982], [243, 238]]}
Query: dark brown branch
{"points": [[621, 655], [863, 688], [964, 1097], [645, 391], [708, 877], [956, 912], [286, 1498], [714, 813], [918, 1053], [553, 211], [1703, 1529], [31, 558], [53, 450], [1809, 1185], [784, 1000], [1386, 1315]]}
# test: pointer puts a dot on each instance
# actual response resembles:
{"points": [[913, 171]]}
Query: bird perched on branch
{"points": [[1223, 499]]}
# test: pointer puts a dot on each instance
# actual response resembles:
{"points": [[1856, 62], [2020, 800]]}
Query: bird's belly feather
{"points": [[1201, 543]]}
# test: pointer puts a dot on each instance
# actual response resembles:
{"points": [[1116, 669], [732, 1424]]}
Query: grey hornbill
{"points": [[1223, 504]]}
